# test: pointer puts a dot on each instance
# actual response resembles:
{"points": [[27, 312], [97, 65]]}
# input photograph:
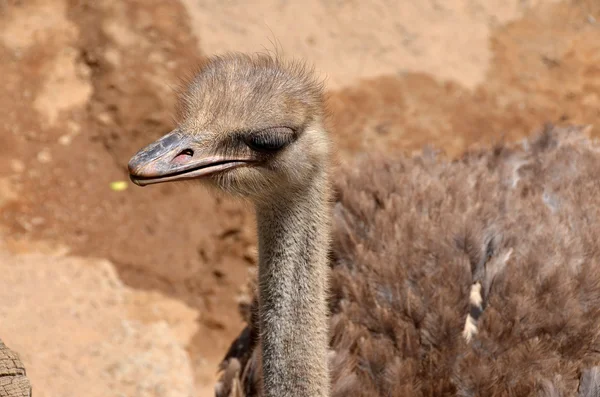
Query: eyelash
{"points": [[270, 140]]}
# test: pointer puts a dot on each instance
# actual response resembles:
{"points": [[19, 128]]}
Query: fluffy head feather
{"points": [[263, 112]]}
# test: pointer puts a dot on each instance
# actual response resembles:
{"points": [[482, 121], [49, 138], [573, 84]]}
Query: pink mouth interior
{"points": [[183, 157]]}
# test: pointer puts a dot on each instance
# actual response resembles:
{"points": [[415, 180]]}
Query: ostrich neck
{"points": [[293, 236]]}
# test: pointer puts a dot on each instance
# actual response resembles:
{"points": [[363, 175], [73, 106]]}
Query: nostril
{"points": [[184, 155], [186, 152]]}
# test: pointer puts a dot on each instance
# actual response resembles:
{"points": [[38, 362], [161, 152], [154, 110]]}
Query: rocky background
{"points": [[134, 292]]}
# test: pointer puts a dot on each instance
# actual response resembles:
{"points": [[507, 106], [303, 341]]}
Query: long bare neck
{"points": [[293, 236]]}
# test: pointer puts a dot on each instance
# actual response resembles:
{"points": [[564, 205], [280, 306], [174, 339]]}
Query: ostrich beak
{"points": [[177, 156]]}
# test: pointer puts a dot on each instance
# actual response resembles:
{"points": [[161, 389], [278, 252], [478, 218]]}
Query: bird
{"points": [[392, 275]]}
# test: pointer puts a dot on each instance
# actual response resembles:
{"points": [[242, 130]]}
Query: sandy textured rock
{"points": [[349, 41], [74, 316], [66, 77]]}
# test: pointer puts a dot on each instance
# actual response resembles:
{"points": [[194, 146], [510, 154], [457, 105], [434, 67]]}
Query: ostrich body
{"points": [[472, 278]]}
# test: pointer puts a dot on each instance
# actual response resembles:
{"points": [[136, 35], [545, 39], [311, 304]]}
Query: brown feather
{"points": [[413, 235]]}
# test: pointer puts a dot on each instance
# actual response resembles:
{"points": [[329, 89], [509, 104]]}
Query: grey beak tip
{"points": [[135, 179]]}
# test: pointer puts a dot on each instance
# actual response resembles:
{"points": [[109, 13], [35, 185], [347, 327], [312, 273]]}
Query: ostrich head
{"points": [[248, 125]]}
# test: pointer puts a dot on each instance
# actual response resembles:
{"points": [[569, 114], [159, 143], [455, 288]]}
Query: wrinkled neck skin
{"points": [[294, 235]]}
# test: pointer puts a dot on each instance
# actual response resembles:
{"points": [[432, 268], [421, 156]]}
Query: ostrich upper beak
{"points": [[177, 156]]}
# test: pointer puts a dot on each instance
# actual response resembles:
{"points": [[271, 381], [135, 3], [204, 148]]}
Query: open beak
{"points": [[175, 157]]}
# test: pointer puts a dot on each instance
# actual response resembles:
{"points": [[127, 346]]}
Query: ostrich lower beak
{"points": [[174, 157]]}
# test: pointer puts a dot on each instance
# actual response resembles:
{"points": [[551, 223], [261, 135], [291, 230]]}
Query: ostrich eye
{"points": [[270, 140]]}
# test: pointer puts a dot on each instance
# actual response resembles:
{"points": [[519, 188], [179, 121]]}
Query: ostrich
{"points": [[405, 276]]}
